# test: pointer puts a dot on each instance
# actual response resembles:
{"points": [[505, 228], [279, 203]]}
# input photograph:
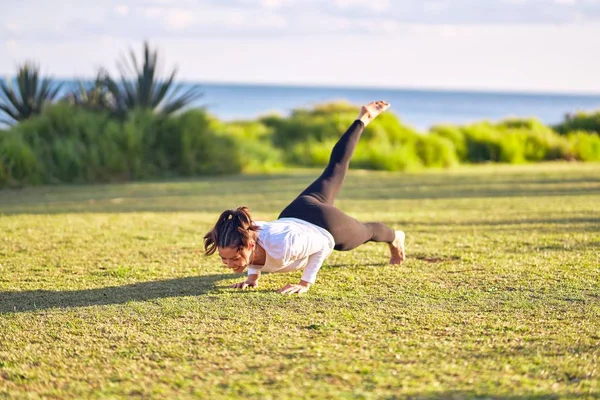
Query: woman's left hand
{"points": [[291, 288]]}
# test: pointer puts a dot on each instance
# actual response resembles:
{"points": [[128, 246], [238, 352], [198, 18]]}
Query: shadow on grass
{"points": [[458, 394], [350, 265], [435, 259], [530, 221], [580, 224], [421, 257], [23, 301]]}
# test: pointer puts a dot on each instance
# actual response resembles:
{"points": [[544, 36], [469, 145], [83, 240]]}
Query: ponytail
{"points": [[234, 228]]}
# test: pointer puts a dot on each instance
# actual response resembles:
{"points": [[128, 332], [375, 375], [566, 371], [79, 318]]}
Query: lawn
{"points": [[105, 291]]}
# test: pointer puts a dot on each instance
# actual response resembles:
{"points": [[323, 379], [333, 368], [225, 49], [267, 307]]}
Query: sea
{"points": [[420, 109]]}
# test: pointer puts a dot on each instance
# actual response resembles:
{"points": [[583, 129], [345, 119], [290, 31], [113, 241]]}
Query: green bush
{"points": [[511, 148], [18, 163], [532, 124], [580, 121], [518, 146], [368, 155], [254, 147], [329, 122], [436, 151], [65, 141], [455, 135], [585, 147], [74, 144], [197, 148], [4, 178], [298, 129], [71, 144], [510, 141], [398, 157], [388, 127], [310, 153], [308, 137], [537, 141], [483, 142]]}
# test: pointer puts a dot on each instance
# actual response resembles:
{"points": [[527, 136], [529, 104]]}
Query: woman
{"points": [[307, 230]]}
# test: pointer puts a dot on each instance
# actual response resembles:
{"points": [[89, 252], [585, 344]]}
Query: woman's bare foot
{"points": [[397, 248], [372, 110]]}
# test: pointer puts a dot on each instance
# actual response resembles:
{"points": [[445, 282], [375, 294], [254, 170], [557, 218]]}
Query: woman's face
{"points": [[234, 259]]}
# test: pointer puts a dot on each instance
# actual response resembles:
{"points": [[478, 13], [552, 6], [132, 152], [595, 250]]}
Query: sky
{"points": [[498, 45]]}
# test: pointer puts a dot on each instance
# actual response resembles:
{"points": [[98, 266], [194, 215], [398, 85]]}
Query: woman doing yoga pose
{"points": [[307, 230]]}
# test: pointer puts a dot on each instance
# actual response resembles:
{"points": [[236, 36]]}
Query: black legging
{"points": [[315, 203]]}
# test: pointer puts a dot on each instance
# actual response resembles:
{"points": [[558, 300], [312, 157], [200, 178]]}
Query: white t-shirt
{"points": [[292, 244]]}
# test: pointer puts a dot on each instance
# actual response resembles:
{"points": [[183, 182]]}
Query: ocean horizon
{"points": [[419, 108]]}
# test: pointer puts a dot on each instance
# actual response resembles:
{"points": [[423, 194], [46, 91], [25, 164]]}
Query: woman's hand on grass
{"points": [[298, 288], [245, 284]]}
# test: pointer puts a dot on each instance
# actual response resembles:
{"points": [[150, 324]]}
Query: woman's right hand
{"points": [[245, 284]]}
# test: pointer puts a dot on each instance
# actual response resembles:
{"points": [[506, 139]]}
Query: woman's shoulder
{"points": [[260, 224], [286, 232], [275, 232], [274, 238]]}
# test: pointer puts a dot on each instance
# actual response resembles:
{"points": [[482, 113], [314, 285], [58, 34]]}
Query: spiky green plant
{"points": [[140, 86], [93, 96], [27, 94]]}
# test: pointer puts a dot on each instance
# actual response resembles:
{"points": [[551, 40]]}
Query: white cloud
{"points": [[165, 2], [381, 26], [12, 27], [243, 18], [220, 21], [122, 10], [377, 5], [272, 21], [226, 20], [10, 44], [151, 12], [273, 3], [179, 19], [436, 7], [340, 23]]}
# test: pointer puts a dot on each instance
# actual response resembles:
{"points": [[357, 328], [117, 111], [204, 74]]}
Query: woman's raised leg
{"points": [[327, 186]]}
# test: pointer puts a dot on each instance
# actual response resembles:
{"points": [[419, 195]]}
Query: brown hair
{"points": [[234, 228]]}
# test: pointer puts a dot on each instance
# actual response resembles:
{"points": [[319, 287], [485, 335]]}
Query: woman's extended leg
{"points": [[327, 186], [315, 203]]}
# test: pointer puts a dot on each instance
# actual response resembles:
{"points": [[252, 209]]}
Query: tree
{"points": [[140, 86], [28, 96]]}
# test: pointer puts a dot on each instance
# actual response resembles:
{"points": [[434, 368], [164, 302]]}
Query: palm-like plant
{"points": [[141, 87], [28, 96]]}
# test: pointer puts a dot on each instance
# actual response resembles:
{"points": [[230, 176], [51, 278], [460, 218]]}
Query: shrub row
{"points": [[70, 144], [67, 144]]}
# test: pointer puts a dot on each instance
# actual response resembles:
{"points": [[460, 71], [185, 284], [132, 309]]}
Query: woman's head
{"points": [[234, 237]]}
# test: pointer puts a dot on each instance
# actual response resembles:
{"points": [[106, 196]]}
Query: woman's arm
{"points": [[315, 261], [319, 248]]}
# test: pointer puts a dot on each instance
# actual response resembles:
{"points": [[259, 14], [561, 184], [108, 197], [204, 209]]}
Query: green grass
{"points": [[105, 293]]}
